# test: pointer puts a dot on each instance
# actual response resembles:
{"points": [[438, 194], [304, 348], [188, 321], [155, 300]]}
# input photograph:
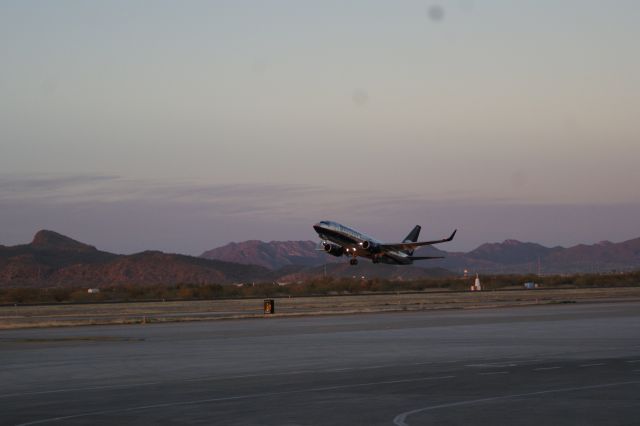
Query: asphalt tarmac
{"points": [[571, 364]]}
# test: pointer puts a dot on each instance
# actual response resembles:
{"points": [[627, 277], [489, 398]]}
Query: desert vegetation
{"points": [[325, 286]]}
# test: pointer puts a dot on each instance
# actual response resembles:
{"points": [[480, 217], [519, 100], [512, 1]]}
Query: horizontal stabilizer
{"points": [[424, 257]]}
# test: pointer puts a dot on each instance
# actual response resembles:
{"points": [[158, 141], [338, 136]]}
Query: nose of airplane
{"points": [[317, 227]]}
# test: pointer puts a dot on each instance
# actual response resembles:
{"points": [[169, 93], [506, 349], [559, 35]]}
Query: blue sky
{"points": [[184, 125]]}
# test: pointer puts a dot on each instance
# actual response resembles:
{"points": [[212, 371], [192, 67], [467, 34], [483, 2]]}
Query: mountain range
{"points": [[510, 256], [52, 259], [272, 255]]}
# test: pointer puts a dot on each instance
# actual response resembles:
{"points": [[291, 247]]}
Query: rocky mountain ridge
{"points": [[272, 255], [509, 256], [52, 259]]}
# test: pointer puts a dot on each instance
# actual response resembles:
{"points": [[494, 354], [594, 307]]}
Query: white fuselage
{"points": [[352, 241]]}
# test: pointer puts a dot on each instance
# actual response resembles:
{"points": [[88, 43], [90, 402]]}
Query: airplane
{"points": [[338, 240]]}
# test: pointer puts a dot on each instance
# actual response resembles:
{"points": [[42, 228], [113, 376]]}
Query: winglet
{"points": [[452, 235]]}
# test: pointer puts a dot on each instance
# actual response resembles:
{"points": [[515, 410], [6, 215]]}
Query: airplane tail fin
{"points": [[412, 238]]}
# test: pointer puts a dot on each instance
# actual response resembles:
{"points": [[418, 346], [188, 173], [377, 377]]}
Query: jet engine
{"points": [[371, 246], [333, 249]]}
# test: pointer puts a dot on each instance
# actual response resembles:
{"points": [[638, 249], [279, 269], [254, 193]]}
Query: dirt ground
{"points": [[147, 312]]}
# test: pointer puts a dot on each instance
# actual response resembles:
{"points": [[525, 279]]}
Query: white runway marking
{"points": [[546, 368], [401, 419], [493, 372], [592, 365], [8, 395], [231, 398], [494, 364], [633, 361]]}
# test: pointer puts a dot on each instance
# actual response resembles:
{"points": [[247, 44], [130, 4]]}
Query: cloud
{"points": [[106, 189], [46, 186]]}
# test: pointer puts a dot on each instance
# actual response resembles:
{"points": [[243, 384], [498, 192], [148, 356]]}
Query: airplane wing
{"points": [[425, 257], [411, 246]]}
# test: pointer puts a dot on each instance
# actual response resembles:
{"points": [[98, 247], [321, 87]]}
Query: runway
{"points": [[572, 364]]}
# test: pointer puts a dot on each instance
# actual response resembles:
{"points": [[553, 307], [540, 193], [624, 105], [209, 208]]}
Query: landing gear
{"points": [[353, 261], [375, 260]]}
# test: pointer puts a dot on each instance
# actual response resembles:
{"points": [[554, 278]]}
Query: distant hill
{"points": [[49, 240], [301, 260], [511, 252], [52, 259], [272, 255], [602, 256], [510, 256], [513, 256]]}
